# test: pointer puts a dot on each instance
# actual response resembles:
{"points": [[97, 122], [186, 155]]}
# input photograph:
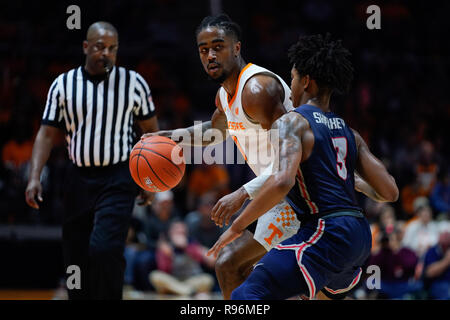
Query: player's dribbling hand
{"points": [[227, 237], [227, 206], [163, 133], [33, 191]]}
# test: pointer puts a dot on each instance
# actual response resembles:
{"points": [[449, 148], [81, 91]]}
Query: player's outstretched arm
{"points": [[198, 135], [41, 152], [377, 183], [291, 127]]}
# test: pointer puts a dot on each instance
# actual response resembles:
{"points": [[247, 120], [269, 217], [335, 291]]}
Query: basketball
{"points": [[157, 163]]}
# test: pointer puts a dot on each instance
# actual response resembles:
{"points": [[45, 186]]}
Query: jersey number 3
{"points": [[340, 145]]}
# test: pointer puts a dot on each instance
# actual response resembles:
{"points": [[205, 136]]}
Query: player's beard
{"points": [[220, 79]]}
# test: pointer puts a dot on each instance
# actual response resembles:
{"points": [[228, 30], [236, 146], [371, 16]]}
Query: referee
{"points": [[95, 105]]}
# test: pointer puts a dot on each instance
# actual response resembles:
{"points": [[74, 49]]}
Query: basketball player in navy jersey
{"points": [[319, 156]]}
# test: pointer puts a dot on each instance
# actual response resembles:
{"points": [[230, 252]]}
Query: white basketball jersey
{"points": [[250, 138]]}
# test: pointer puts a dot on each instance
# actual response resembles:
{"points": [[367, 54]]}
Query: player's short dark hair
{"points": [[324, 60], [222, 21]]}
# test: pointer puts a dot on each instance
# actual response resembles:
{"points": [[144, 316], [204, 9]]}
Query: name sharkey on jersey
{"points": [[331, 123]]}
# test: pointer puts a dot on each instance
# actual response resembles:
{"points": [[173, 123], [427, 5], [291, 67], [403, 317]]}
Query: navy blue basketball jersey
{"points": [[325, 181]]}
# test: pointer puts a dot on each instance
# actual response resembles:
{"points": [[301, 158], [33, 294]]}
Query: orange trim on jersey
{"points": [[239, 147], [301, 181], [230, 103]]}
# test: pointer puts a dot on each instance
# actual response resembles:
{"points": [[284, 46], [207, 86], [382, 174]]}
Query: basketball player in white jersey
{"points": [[249, 100]]}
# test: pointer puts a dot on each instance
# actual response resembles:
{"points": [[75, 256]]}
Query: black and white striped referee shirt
{"points": [[98, 114]]}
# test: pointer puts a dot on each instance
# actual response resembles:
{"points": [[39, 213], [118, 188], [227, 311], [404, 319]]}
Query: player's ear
{"points": [[237, 49], [85, 46], [306, 82]]}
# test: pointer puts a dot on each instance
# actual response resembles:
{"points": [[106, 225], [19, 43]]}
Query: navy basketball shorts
{"points": [[326, 254]]}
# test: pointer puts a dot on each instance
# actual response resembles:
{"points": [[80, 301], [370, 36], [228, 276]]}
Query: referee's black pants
{"points": [[98, 206]]}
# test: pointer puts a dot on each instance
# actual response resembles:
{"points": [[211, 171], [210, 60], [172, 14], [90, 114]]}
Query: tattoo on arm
{"points": [[193, 135], [204, 133], [289, 129]]}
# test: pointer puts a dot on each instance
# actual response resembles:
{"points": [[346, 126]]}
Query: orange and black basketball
{"points": [[157, 163]]}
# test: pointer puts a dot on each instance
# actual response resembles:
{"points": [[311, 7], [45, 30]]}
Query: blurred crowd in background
{"points": [[398, 103]]}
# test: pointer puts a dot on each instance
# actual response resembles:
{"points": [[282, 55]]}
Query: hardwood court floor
{"points": [[61, 294], [25, 294]]}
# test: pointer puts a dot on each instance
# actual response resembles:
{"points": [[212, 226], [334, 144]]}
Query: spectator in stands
{"points": [[201, 227], [155, 226], [203, 230], [17, 152], [422, 232], [437, 268], [440, 195], [135, 243], [15, 155], [179, 264], [409, 193], [397, 265], [207, 178], [385, 227], [427, 167]]}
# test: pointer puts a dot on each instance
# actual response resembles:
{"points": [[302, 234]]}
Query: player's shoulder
{"points": [[356, 134], [262, 74], [359, 141], [262, 81], [261, 88]]}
